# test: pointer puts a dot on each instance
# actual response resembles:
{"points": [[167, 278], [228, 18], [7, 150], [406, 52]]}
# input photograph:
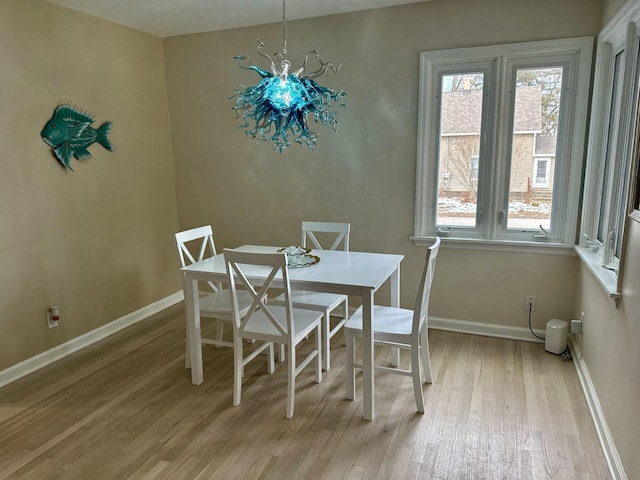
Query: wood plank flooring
{"points": [[125, 409]]}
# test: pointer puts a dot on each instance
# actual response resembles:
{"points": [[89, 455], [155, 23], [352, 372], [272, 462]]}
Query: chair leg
{"points": [[219, 331], [350, 341], [417, 378], [281, 354], [271, 366], [346, 310], [238, 370], [426, 358], [291, 378], [395, 357], [326, 340]]}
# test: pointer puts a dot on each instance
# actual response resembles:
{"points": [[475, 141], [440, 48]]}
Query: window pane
{"points": [[609, 160], [533, 148], [459, 161]]}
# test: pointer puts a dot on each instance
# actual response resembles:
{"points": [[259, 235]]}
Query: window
{"points": [[635, 213], [474, 161], [541, 172], [505, 126], [611, 161]]}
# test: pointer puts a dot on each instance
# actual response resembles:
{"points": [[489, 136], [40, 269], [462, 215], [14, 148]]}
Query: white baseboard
{"points": [[43, 359], [485, 329], [616, 469]]}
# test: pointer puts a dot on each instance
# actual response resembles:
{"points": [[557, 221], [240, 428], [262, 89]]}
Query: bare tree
{"points": [[521, 154], [463, 81], [461, 159]]}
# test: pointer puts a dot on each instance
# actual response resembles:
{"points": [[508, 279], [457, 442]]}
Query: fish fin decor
{"points": [[81, 154], [63, 152], [69, 133]]}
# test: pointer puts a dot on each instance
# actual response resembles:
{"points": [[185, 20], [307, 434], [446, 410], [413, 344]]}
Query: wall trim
{"points": [[43, 359], [611, 456], [485, 329]]}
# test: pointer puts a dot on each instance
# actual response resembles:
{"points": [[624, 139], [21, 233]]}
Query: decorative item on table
{"points": [[299, 257], [280, 103], [69, 133], [293, 250]]}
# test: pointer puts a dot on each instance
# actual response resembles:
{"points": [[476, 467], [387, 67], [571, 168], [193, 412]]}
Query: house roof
{"points": [[461, 111]]}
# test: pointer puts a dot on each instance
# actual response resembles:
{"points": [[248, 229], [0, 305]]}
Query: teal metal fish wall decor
{"points": [[69, 133]]}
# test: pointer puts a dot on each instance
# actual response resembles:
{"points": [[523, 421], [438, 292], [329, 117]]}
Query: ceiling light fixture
{"points": [[278, 106]]}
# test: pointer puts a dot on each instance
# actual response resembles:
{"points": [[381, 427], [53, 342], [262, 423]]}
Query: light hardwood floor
{"points": [[125, 409]]}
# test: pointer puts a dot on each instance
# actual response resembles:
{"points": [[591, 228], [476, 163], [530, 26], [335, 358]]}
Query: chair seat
{"points": [[305, 322], [219, 303], [386, 321], [312, 300]]}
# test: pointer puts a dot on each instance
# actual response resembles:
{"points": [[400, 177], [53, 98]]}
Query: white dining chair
{"points": [[323, 302], [271, 324], [399, 327], [195, 245]]}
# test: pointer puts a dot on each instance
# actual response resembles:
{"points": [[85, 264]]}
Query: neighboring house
{"points": [[532, 154]]}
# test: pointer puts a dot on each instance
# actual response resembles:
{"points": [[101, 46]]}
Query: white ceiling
{"points": [[177, 17]]}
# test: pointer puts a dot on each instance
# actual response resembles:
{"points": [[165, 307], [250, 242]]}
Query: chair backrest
{"points": [[239, 266], [421, 310], [342, 230], [205, 247]]}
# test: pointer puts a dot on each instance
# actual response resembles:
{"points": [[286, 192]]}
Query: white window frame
{"points": [[498, 63], [616, 196]]}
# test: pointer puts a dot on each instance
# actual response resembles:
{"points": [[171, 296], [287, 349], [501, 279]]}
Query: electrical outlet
{"points": [[530, 300], [52, 323], [53, 316]]}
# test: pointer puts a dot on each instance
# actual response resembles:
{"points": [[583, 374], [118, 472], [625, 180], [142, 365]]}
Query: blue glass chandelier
{"points": [[277, 108]]}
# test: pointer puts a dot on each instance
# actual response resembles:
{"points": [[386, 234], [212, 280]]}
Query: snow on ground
{"points": [[452, 211], [454, 205]]}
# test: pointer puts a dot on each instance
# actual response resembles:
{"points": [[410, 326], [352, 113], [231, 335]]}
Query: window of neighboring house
{"points": [[492, 118], [474, 162], [609, 176]]}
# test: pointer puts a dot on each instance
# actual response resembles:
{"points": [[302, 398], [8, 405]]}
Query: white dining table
{"points": [[351, 273]]}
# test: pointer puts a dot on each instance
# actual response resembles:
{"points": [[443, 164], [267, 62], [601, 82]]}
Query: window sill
{"points": [[606, 278], [498, 245]]}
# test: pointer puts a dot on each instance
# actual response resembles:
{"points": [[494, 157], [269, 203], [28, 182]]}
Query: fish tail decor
{"points": [[69, 133], [102, 136]]}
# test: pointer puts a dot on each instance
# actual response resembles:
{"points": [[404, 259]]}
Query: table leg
{"points": [[395, 302], [192, 308], [367, 356], [187, 336]]}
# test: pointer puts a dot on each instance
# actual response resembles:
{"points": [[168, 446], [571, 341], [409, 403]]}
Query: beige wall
{"points": [[609, 343], [97, 242], [610, 8], [609, 346], [365, 173]]}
